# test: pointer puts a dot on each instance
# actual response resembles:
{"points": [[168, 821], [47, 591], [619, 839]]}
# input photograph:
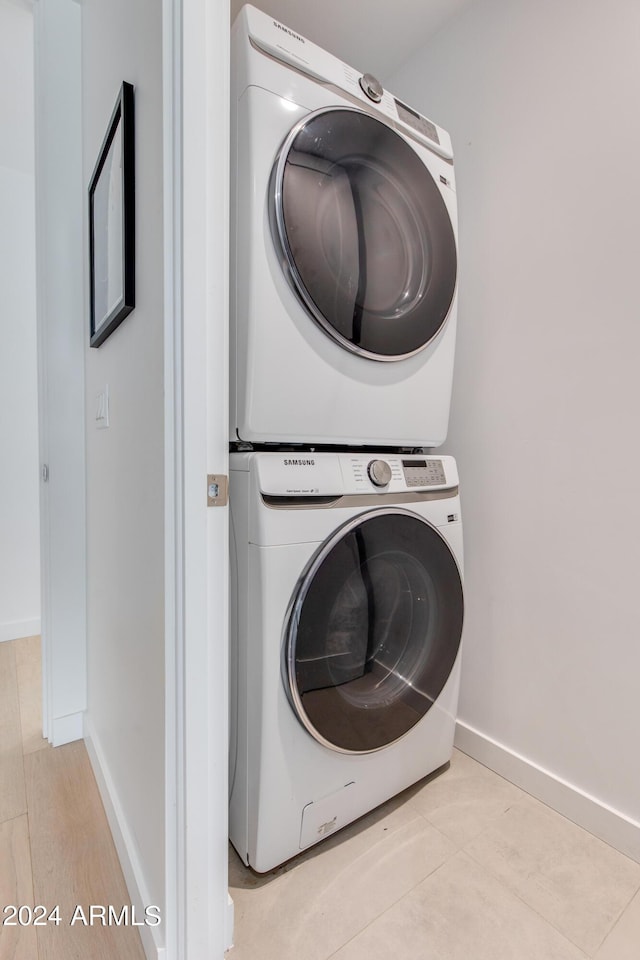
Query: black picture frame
{"points": [[112, 224]]}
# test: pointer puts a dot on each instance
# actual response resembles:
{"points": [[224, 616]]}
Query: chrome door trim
{"points": [[296, 281], [292, 619], [274, 502]]}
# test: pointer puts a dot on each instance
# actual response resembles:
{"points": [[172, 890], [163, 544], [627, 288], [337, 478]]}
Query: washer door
{"points": [[365, 233], [374, 630]]}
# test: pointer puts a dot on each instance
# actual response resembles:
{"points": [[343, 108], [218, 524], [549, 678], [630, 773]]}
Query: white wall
{"points": [[61, 336], [542, 103], [374, 36], [19, 473], [121, 40]]}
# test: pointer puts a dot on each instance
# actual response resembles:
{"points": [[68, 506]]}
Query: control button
{"points": [[379, 472], [372, 87]]}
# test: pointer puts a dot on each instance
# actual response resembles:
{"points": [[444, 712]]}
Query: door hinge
{"points": [[217, 490], [45, 473]]}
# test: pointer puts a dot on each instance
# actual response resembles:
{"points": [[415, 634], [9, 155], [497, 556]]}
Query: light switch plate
{"points": [[102, 408]]}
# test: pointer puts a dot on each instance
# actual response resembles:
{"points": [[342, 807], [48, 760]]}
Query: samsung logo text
{"points": [[290, 32]]}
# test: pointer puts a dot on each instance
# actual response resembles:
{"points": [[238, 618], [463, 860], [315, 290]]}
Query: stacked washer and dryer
{"points": [[347, 601]]}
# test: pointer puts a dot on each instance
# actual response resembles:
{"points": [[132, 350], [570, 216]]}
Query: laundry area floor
{"points": [[462, 866]]}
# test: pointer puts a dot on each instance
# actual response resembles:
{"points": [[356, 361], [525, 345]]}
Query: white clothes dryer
{"points": [[343, 252], [346, 625]]}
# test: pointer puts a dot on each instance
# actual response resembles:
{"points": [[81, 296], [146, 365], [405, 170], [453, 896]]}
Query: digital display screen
{"points": [[421, 124], [414, 463], [403, 108]]}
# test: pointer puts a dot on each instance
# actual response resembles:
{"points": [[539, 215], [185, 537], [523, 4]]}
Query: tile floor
{"points": [[462, 866]]}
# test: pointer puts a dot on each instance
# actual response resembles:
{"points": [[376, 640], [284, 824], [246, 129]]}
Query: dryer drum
{"points": [[365, 233], [374, 630]]}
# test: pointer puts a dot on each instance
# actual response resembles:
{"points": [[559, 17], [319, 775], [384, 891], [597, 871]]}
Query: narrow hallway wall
{"points": [[19, 509], [125, 727]]}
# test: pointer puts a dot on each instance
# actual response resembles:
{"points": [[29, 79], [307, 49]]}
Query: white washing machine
{"points": [[347, 611], [344, 252]]}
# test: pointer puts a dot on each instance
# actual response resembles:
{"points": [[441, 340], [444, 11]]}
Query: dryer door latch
{"points": [[217, 490]]}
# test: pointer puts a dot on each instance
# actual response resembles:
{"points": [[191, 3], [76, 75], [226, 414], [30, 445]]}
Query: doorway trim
{"points": [[196, 205]]}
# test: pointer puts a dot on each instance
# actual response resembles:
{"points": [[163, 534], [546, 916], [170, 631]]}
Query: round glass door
{"points": [[365, 232], [374, 630]]}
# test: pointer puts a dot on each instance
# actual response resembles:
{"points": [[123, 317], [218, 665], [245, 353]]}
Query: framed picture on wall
{"points": [[112, 224]]}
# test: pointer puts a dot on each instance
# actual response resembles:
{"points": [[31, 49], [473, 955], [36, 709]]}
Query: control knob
{"points": [[372, 87], [379, 472]]}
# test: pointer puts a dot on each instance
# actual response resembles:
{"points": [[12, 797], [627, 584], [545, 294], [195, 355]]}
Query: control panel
{"points": [[316, 474], [423, 126], [371, 87], [424, 473], [393, 473], [289, 47], [379, 472]]}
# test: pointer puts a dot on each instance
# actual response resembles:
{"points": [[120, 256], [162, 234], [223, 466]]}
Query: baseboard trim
{"points": [[17, 629], [124, 843], [598, 818], [229, 922], [67, 729]]}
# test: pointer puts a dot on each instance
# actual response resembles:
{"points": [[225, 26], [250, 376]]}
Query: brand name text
{"points": [[290, 32]]}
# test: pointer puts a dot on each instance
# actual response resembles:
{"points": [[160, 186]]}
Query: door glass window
{"points": [[374, 631], [366, 234]]}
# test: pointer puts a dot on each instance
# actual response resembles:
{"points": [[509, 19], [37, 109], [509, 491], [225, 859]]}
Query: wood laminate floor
{"points": [[56, 848]]}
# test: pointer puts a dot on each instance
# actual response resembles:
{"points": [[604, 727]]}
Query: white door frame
{"points": [[196, 202], [60, 260]]}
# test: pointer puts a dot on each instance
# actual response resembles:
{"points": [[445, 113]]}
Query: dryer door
{"points": [[365, 232], [374, 630]]}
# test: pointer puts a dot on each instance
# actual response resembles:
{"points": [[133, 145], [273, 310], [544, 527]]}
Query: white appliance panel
{"points": [[290, 381], [279, 772]]}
